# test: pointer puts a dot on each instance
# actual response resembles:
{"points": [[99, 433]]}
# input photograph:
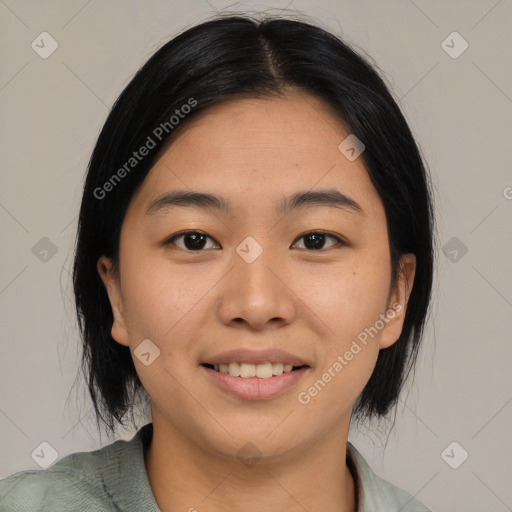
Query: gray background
{"points": [[460, 112]]}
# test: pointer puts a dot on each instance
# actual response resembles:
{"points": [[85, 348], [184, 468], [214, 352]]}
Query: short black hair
{"points": [[239, 56]]}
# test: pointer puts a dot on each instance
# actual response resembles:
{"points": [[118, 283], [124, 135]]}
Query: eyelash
{"points": [[339, 241]]}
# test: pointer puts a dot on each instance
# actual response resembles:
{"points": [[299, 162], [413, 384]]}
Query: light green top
{"points": [[114, 479]]}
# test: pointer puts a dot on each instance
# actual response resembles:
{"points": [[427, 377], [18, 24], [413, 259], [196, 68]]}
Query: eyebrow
{"points": [[189, 198]]}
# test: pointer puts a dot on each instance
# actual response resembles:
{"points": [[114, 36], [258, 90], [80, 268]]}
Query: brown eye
{"points": [[192, 240], [315, 240]]}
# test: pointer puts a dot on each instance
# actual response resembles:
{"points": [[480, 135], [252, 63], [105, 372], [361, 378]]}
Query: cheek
{"points": [[348, 302], [151, 306], [162, 300], [349, 297], [161, 304]]}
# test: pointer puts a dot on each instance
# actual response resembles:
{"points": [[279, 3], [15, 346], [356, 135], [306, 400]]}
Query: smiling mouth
{"points": [[251, 371]]}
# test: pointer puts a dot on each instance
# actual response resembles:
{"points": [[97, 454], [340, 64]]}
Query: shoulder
{"points": [[375, 493], [76, 482]]}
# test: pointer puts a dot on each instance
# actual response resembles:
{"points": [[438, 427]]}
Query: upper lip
{"points": [[241, 355]]}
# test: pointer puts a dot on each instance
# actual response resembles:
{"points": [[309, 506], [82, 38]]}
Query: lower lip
{"points": [[255, 388]]}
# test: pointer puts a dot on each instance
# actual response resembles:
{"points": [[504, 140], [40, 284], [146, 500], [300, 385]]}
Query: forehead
{"points": [[258, 150], [295, 123]]}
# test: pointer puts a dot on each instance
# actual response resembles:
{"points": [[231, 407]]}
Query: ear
{"points": [[397, 303], [113, 287]]}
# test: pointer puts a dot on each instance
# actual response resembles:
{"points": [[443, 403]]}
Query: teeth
{"points": [[264, 371], [247, 371], [277, 369], [234, 369]]}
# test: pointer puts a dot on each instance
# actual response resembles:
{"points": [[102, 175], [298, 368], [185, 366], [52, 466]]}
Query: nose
{"points": [[258, 294]]}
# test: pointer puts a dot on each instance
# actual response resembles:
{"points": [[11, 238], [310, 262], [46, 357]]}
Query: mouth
{"points": [[251, 371], [254, 381]]}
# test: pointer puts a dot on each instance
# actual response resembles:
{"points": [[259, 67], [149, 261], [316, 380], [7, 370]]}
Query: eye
{"points": [[315, 240], [196, 240], [193, 240]]}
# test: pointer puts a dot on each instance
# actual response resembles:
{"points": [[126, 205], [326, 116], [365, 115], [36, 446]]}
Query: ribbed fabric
{"points": [[114, 478]]}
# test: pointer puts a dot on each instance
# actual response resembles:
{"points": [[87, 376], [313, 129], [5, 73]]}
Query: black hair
{"points": [[230, 57]]}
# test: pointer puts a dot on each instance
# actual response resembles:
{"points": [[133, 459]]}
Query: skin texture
{"points": [[193, 304]]}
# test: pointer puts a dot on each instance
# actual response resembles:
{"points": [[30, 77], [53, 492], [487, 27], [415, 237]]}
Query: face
{"points": [[312, 280]]}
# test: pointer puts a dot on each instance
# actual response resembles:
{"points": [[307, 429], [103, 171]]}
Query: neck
{"points": [[185, 476]]}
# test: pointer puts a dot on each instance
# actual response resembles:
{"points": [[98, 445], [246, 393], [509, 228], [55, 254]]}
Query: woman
{"points": [[254, 260]]}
